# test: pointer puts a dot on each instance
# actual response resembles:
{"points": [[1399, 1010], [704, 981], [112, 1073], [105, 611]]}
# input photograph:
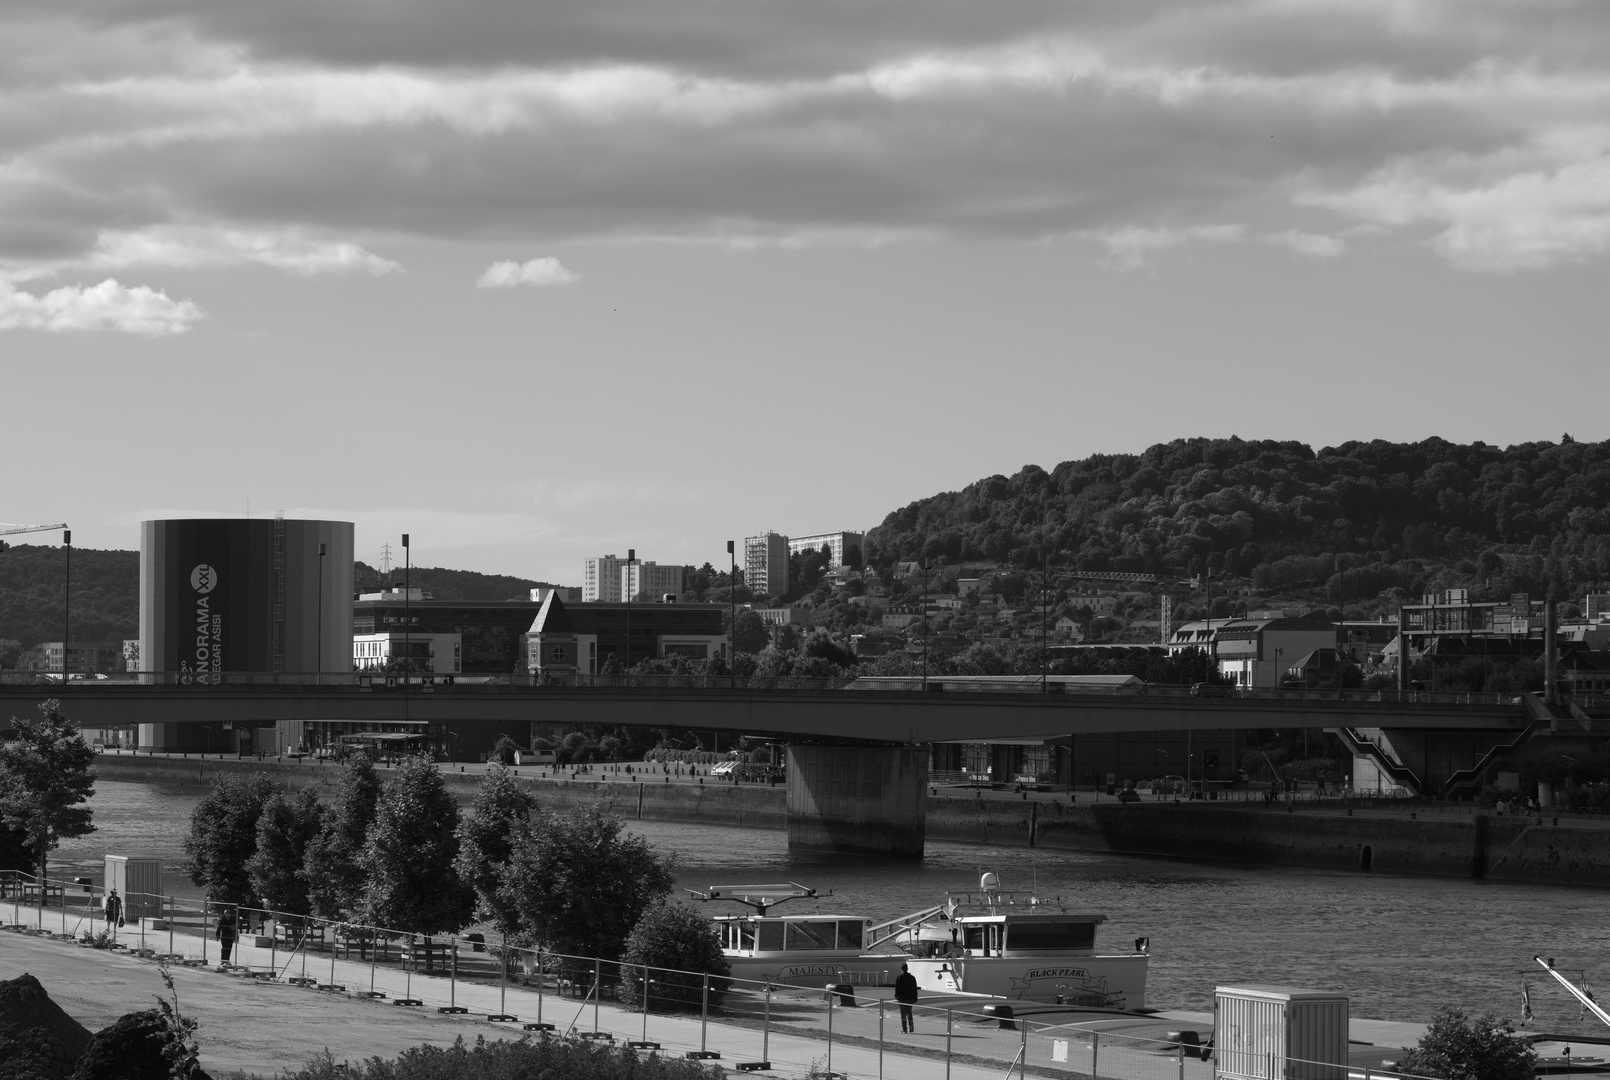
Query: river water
{"points": [[1400, 947]]}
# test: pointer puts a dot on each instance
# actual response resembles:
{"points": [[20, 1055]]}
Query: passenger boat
{"points": [[990, 943], [1021, 946]]}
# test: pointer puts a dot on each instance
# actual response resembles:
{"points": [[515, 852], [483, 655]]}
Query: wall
{"points": [[1507, 849], [713, 803]]}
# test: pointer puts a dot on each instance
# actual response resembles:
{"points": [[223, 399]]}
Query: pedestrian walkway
{"points": [[854, 1052]]}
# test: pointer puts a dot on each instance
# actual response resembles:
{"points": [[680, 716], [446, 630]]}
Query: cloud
{"points": [[107, 306], [304, 137], [544, 271], [1306, 243]]}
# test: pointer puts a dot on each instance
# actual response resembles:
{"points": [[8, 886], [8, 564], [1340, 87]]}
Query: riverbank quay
{"points": [[1458, 840], [277, 1006]]}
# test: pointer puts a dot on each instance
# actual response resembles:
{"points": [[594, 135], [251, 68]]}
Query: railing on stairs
{"points": [[1541, 717], [1402, 775]]}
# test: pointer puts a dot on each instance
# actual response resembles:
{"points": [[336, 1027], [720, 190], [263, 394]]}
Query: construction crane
{"points": [[7, 529]]}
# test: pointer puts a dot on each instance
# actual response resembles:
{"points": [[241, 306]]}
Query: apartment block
{"points": [[766, 564]]}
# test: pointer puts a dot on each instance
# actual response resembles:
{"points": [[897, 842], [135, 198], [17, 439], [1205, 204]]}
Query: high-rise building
{"points": [[766, 564], [836, 542], [642, 577], [601, 579]]}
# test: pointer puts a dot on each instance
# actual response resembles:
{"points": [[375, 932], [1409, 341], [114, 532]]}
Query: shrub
{"points": [[674, 936], [1458, 1047], [548, 1057], [504, 749]]}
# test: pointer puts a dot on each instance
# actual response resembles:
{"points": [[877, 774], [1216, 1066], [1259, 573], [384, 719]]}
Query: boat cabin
{"points": [[1026, 935], [751, 934]]}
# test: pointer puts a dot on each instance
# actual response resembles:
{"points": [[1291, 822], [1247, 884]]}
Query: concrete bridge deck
{"points": [[898, 717]]}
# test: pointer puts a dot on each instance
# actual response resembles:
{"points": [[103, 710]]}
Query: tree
{"points": [[10, 652], [45, 778], [579, 882], [287, 827], [486, 842], [223, 836], [1458, 1047], [408, 858], [675, 937], [334, 879], [750, 633]]}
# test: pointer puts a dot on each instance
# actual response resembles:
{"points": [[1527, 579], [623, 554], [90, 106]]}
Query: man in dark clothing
{"points": [[112, 907], [227, 932], [905, 992]]}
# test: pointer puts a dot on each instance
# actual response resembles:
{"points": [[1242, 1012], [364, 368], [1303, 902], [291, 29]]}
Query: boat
{"points": [[1021, 946], [988, 943]]}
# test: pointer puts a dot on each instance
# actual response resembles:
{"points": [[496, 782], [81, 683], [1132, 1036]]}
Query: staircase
{"points": [[1542, 717], [1401, 775]]}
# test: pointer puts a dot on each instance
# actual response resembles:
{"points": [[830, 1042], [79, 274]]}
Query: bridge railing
{"points": [[361, 681]]}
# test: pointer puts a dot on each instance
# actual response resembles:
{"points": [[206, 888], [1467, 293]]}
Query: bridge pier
{"points": [[857, 800]]}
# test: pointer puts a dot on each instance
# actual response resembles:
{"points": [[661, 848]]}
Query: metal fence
{"points": [[849, 1031]]}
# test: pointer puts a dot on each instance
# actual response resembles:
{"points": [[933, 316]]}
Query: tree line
{"points": [[400, 855]]}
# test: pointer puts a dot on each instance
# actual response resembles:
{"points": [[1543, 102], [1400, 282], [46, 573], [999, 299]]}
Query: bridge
{"points": [[858, 759]]}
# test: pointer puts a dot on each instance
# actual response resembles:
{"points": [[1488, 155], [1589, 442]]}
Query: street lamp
{"points": [[732, 599], [318, 662], [408, 616], [923, 564], [67, 603], [631, 559]]}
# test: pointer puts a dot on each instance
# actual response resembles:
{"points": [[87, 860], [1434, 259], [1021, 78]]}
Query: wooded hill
{"points": [[106, 593], [1405, 517]]}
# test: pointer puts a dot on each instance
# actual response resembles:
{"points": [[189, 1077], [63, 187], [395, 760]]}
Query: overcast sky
{"points": [[533, 281]]}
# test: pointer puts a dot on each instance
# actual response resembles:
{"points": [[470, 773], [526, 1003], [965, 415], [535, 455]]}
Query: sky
{"points": [[533, 282]]}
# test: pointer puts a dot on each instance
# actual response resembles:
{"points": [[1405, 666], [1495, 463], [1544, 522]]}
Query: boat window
{"points": [[850, 936], [974, 938], [746, 935], [808, 936], [771, 937], [1050, 935]]}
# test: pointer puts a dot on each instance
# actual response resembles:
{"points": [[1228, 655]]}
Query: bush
{"points": [[673, 935], [504, 749], [1457, 1047], [549, 1057]]}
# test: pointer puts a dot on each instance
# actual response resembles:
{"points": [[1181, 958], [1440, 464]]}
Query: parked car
{"points": [[1211, 689]]}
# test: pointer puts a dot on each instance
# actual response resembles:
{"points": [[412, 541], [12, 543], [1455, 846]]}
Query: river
{"points": [[1400, 947]]}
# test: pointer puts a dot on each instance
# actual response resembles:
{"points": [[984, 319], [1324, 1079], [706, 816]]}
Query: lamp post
{"points": [[318, 662], [1341, 626], [732, 600], [67, 604], [631, 559], [923, 563], [1045, 640], [408, 617]]}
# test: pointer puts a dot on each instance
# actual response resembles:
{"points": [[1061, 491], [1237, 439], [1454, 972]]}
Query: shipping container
{"points": [[1279, 1033], [138, 882]]}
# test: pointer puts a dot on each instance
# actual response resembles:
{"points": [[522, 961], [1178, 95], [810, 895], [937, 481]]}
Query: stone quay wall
{"points": [[1441, 844]]}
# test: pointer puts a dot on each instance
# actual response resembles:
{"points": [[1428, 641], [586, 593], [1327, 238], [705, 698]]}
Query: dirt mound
{"points": [[37, 1039], [130, 1049]]}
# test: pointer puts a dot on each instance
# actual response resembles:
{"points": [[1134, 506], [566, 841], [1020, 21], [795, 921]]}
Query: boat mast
{"points": [[1581, 995]]}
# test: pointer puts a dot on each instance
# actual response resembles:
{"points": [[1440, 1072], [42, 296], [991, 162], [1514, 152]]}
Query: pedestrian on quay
{"points": [[112, 908], [905, 992], [228, 931]]}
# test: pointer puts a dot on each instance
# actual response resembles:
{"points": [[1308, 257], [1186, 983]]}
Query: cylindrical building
{"points": [[220, 595]]}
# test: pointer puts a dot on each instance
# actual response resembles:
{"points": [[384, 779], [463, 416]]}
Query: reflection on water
{"points": [[1399, 946]]}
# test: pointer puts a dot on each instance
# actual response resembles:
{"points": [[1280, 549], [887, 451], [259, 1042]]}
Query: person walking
{"points": [[228, 930], [905, 992], [112, 908]]}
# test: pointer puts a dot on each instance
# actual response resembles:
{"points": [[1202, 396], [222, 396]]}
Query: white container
{"points": [[138, 882], [1279, 1033]]}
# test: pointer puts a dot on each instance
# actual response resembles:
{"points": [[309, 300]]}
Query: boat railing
{"points": [[883, 932], [992, 902]]}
